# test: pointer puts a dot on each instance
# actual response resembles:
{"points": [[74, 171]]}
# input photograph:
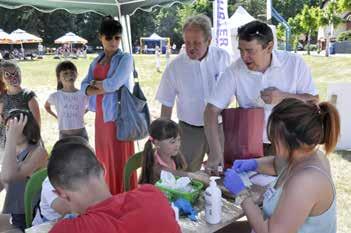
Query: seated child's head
{"points": [[72, 166], [31, 131], [66, 73], [165, 135], [10, 74]]}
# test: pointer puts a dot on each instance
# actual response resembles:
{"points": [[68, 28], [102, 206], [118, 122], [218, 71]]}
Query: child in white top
{"points": [[70, 103], [51, 206]]}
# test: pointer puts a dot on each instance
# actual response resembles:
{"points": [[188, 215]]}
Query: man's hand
{"points": [[15, 127], [272, 95]]}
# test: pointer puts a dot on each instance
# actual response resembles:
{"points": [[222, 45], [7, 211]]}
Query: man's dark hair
{"points": [[110, 27], [72, 162], [256, 30]]}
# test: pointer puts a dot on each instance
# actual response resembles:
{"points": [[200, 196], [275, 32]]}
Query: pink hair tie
{"points": [[151, 138]]}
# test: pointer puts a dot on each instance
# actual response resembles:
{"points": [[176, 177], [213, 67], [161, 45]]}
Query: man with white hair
{"points": [[189, 79]]}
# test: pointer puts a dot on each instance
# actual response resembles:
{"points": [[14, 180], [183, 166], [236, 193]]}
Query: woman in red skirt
{"points": [[107, 73]]}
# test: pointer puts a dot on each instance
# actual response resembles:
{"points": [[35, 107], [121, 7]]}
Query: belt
{"points": [[192, 126]]}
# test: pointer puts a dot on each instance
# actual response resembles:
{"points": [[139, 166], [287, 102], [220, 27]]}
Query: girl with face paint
{"points": [[14, 96], [70, 103]]}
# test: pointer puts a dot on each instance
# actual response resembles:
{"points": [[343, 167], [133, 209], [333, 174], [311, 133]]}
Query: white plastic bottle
{"points": [[213, 202], [176, 211]]}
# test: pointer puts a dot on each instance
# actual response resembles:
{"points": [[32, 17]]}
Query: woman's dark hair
{"points": [[110, 27], [31, 130], [294, 124], [160, 129], [62, 66], [256, 30]]}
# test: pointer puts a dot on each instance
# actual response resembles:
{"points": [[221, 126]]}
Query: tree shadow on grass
{"points": [[345, 154]]}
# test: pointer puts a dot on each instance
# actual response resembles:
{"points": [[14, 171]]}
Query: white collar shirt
{"points": [[287, 72], [191, 82]]}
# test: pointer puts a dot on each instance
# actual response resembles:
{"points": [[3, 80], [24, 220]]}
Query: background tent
{"points": [[20, 36], [120, 8], [153, 41], [238, 19], [5, 38], [70, 38]]}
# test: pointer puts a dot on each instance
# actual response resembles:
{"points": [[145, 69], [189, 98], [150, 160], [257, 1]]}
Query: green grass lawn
{"points": [[40, 77]]}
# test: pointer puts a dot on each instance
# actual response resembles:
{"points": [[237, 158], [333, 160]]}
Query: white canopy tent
{"points": [[20, 36], [238, 19], [70, 38], [5, 38]]}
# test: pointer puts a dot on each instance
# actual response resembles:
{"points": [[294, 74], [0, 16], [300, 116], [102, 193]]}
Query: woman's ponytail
{"points": [[331, 126]]}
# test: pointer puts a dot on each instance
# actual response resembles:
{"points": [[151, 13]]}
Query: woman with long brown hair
{"points": [[302, 199]]}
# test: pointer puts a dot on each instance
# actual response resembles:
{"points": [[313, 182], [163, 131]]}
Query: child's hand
{"points": [[15, 127]]}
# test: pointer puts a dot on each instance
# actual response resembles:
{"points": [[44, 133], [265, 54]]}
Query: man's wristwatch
{"points": [[242, 196]]}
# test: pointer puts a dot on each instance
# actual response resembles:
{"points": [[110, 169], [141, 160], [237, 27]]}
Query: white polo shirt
{"points": [[287, 72], [190, 83]]}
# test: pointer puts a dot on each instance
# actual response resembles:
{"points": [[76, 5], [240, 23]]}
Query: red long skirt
{"points": [[112, 153]]}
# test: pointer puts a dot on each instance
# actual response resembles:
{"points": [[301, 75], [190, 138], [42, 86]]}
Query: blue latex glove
{"points": [[233, 182], [185, 207], [245, 165]]}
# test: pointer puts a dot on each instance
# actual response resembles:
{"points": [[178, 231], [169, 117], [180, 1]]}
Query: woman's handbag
{"points": [[243, 132], [133, 116]]}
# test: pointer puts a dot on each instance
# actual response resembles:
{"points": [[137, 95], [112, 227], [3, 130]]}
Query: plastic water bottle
{"points": [[213, 202]]}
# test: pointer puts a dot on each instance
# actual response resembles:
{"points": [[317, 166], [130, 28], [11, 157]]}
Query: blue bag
{"points": [[133, 116]]}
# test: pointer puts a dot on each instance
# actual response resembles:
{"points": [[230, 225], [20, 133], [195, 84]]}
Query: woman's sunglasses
{"points": [[108, 38]]}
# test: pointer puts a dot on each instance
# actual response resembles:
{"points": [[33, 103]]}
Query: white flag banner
{"points": [[221, 32]]}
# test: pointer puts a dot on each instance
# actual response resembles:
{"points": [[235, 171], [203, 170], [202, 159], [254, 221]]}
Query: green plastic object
{"points": [[173, 195], [133, 163], [33, 186]]}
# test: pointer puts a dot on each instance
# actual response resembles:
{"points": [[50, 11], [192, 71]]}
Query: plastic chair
{"points": [[132, 164], [33, 186]]}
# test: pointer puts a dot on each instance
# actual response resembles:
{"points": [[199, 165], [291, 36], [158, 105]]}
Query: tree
{"points": [[290, 8], [296, 30], [329, 17], [168, 25], [344, 5], [309, 22], [142, 24]]}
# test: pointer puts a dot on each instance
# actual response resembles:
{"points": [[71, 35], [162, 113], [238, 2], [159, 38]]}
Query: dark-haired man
{"points": [[260, 78], [78, 178]]}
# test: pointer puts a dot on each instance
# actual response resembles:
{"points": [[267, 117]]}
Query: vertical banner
{"points": [[221, 31]]}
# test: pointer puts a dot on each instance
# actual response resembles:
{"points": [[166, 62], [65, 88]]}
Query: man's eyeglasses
{"points": [[108, 38]]}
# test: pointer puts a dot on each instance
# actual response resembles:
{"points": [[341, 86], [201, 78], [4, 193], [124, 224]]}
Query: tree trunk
{"points": [[308, 43]]}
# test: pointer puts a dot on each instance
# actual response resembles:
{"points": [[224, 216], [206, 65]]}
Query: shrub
{"points": [[313, 47], [344, 36]]}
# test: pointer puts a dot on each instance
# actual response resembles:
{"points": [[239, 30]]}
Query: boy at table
{"points": [[78, 178]]}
